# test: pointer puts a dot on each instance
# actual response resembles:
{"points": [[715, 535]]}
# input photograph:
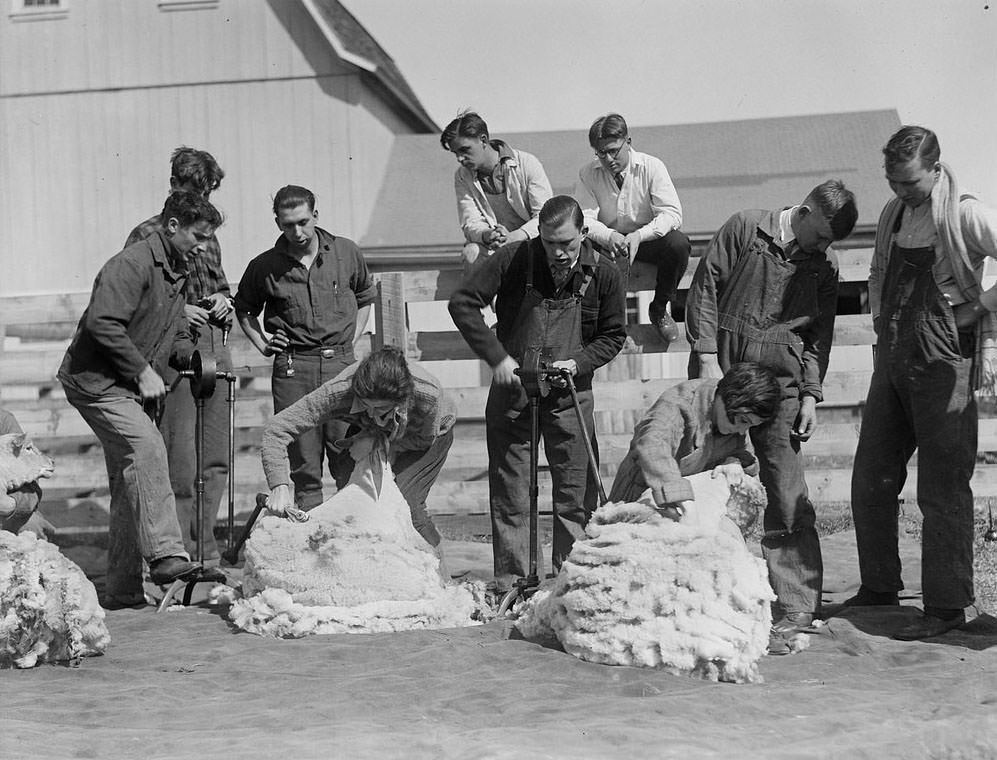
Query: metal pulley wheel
{"points": [[203, 374]]}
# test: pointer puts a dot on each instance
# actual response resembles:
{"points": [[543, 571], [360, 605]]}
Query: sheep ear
{"points": [[17, 443]]}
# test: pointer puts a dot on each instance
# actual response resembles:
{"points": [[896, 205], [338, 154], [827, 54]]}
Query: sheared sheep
{"points": [[356, 566], [48, 608], [644, 590]]}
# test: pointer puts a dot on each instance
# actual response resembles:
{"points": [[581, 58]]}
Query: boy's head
{"points": [[828, 213], [747, 395], [467, 138], [189, 221], [195, 171], [383, 387]]}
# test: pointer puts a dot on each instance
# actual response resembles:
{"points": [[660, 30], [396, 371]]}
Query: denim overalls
{"points": [[920, 397], [554, 327]]}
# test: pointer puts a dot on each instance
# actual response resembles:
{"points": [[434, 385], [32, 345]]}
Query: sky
{"points": [[532, 65]]}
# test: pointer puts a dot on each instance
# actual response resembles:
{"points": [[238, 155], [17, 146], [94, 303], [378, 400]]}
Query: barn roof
{"points": [[353, 43], [718, 168]]}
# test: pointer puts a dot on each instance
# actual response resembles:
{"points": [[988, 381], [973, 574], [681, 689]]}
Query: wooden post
{"points": [[389, 313]]}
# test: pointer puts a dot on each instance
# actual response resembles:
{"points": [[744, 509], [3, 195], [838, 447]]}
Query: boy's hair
{"points": [[189, 208], [384, 374], [750, 388], [292, 196], [610, 126], [197, 167], [912, 142], [836, 203], [559, 209], [467, 124]]}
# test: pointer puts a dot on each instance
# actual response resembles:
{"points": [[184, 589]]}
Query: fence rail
{"points": [[38, 329]]}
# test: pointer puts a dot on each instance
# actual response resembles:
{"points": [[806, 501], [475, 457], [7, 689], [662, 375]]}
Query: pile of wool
{"points": [[357, 566], [641, 589], [48, 608]]}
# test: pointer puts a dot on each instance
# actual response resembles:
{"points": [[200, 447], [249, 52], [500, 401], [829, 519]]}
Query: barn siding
{"points": [[93, 105]]}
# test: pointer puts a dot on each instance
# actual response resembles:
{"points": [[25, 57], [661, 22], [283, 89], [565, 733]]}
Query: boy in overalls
{"points": [[554, 295], [935, 343], [766, 291]]}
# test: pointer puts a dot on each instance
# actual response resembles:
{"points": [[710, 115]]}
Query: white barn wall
{"points": [[86, 157]]}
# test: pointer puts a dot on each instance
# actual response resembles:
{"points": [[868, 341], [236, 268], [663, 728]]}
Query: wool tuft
{"points": [[48, 608]]}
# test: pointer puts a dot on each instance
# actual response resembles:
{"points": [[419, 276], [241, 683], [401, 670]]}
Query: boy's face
{"points": [[728, 426], [470, 151], [912, 182], [190, 239], [298, 225], [613, 153], [562, 243], [813, 232]]}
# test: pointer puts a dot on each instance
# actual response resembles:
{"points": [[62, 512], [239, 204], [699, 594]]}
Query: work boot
{"points": [[866, 597], [793, 623], [168, 569], [934, 621], [663, 322]]}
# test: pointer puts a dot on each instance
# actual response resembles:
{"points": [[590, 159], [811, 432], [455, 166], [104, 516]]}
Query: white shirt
{"points": [[647, 202]]}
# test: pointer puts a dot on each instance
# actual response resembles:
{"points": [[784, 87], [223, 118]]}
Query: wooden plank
{"points": [[849, 330], [389, 311], [853, 266]]}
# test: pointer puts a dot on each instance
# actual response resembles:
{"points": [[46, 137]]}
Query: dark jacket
{"points": [[502, 277], [135, 318]]}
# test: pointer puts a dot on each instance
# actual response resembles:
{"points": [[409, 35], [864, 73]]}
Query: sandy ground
{"points": [[185, 684]]}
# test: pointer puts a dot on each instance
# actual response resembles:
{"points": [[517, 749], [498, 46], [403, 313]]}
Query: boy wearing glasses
{"points": [[634, 214], [766, 291]]}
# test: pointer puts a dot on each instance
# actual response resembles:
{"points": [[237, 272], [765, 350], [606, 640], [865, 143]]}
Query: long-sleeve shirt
{"points": [[752, 299], [315, 306], [135, 318], [205, 275], [431, 415], [503, 277], [647, 202], [677, 437], [526, 189]]}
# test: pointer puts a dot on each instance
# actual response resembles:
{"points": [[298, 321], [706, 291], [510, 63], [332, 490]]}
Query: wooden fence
{"points": [[37, 330]]}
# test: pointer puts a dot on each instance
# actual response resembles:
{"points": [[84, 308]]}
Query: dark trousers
{"points": [[920, 397], [306, 452], [790, 544], [574, 488], [670, 254]]}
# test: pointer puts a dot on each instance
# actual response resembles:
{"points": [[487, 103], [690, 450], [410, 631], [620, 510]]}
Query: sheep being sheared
{"points": [[356, 566], [48, 608], [641, 589]]}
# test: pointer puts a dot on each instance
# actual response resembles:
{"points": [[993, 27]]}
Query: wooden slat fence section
{"points": [[78, 491]]}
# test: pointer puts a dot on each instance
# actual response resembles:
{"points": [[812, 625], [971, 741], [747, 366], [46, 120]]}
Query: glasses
{"points": [[611, 152]]}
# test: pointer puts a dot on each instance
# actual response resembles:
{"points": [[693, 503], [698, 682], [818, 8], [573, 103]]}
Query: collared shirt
{"points": [[526, 189], [205, 275], [786, 234], [315, 306], [493, 183], [647, 202], [432, 414], [503, 277], [135, 318]]}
